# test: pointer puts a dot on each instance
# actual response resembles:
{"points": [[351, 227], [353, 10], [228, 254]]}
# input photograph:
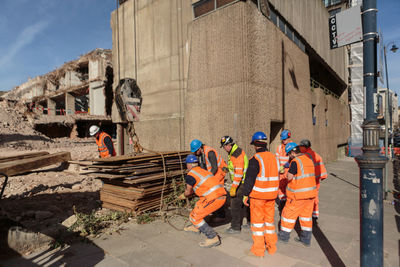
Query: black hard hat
{"points": [[305, 143], [226, 140]]}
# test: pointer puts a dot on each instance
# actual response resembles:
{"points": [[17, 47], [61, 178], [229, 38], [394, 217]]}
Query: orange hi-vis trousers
{"points": [[262, 226], [300, 208], [203, 208], [315, 213]]}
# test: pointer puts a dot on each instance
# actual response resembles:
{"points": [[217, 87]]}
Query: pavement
{"points": [[335, 239]]}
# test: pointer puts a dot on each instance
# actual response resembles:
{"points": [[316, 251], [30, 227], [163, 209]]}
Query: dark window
{"points": [[221, 3], [272, 15], [203, 7], [289, 32], [314, 118], [281, 25]]}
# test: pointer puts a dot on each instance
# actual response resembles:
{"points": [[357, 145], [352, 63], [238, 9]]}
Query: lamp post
{"points": [[387, 116], [370, 162]]}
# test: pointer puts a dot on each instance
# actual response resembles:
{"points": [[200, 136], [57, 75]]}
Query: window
{"points": [[281, 25], [273, 17], [326, 117], [334, 11], [314, 118]]}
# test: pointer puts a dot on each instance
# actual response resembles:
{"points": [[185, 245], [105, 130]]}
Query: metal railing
{"points": [[314, 84]]}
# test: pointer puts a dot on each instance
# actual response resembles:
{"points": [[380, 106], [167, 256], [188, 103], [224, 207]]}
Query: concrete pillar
{"points": [[51, 107], [69, 104]]}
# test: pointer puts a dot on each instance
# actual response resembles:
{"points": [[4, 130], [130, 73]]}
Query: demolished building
{"points": [[66, 101]]}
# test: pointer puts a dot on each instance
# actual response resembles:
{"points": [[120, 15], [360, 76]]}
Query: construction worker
{"points": [[209, 159], [283, 167], [237, 166], [301, 192], [261, 185], [212, 197], [319, 170], [104, 142]]}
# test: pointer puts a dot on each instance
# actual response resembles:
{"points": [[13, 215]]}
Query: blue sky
{"points": [[38, 36]]}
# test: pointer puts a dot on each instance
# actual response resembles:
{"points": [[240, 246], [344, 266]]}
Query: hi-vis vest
{"points": [[303, 184], [319, 166], [207, 185], [267, 181], [237, 166], [101, 146], [281, 155], [221, 163]]}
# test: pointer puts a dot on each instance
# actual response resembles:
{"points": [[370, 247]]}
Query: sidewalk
{"points": [[335, 238]]}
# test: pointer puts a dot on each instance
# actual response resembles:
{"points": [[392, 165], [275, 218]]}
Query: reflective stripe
{"points": [[212, 189], [303, 176], [235, 183], [301, 190], [257, 225], [238, 175], [271, 189], [238, 168], [269, 224], [306, 228], [324, 173], [260, 160], [288, 220], [202, 178], [286, 229], [305, 219], [269, 231], [267, 179], [258, 233], [315, 212]]}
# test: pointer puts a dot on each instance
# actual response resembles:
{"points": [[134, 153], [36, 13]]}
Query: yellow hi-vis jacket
{"points": [[237, 165]]}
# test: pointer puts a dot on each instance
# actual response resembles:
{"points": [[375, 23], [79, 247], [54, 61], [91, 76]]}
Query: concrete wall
{"points": [[310, 19], [160, 66], [245, 73]]}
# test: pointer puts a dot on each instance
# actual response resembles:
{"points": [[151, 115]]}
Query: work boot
{"points": [[210, 242], [246, 226], [297, 239], [283, 237], [230, 230], [191, 229]]}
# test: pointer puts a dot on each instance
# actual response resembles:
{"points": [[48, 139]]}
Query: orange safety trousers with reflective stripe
{"points": [[262, 226], [320, 174], [297, 208], [203, 208], [101, 146], [221, 163], [283, 159]]}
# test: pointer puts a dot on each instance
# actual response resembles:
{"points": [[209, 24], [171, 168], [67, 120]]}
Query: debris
{"points": [[70, 221]]}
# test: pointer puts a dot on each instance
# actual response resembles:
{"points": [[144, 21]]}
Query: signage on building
{"points": [[345, 27]]}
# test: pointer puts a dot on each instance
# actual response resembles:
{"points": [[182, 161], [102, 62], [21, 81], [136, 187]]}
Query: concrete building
{"points": [[212, 68], [393, 107], [66, 101]]}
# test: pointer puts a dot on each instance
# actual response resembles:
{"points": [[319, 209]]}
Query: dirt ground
{"points": [[42, 199]]}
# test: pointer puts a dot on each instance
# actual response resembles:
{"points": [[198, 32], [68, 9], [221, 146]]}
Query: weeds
{"points": [[146, 217]]}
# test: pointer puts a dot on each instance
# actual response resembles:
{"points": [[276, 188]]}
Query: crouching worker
{"points": [[261, 185], [212, 197]]}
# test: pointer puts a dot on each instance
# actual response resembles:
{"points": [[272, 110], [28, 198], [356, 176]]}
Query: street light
{"points": [[387, 116]]}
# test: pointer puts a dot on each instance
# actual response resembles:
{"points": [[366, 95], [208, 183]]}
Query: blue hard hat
{"points": [[290, 146], [258, 136], [285, 134], [195, 145], [191, 159]]}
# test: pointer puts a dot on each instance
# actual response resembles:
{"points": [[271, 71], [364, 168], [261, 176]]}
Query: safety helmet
{"points": [[260, 137], [226, 140], [285, 134], [94, 129], [191, 159], [290, 146], [195, 145], [305, 143]]}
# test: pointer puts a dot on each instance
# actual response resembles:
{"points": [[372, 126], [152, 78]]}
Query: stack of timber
{"points": [[137, 184]]}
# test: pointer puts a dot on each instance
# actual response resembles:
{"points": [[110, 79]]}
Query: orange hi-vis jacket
{"points": [[319, 166], [303, 184], [101, 146], [281, 155], [221, 163], [207, 185], [267, 181]]}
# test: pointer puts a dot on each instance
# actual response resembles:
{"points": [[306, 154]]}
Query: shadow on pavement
{"points": [[326, 246], [334, 175], [396, 194]]}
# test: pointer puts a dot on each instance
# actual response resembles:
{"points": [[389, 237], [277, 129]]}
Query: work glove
{"points": [[287, 164], [281, 169], [232, 192], [182, 196], [246, 200], [225, 169]]}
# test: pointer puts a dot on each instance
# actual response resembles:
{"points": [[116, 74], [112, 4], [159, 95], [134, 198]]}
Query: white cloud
{"points": [[23, 39]]}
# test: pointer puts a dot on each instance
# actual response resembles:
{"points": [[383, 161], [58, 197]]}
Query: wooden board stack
{"points": [[135, 183]]}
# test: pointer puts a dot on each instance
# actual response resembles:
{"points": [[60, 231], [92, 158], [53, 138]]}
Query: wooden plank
{"points": [[26, 165], [23, 156], [106, 197], [111, 206]]}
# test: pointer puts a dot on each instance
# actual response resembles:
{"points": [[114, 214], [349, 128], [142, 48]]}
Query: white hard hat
{"points": [[93, 130]]}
